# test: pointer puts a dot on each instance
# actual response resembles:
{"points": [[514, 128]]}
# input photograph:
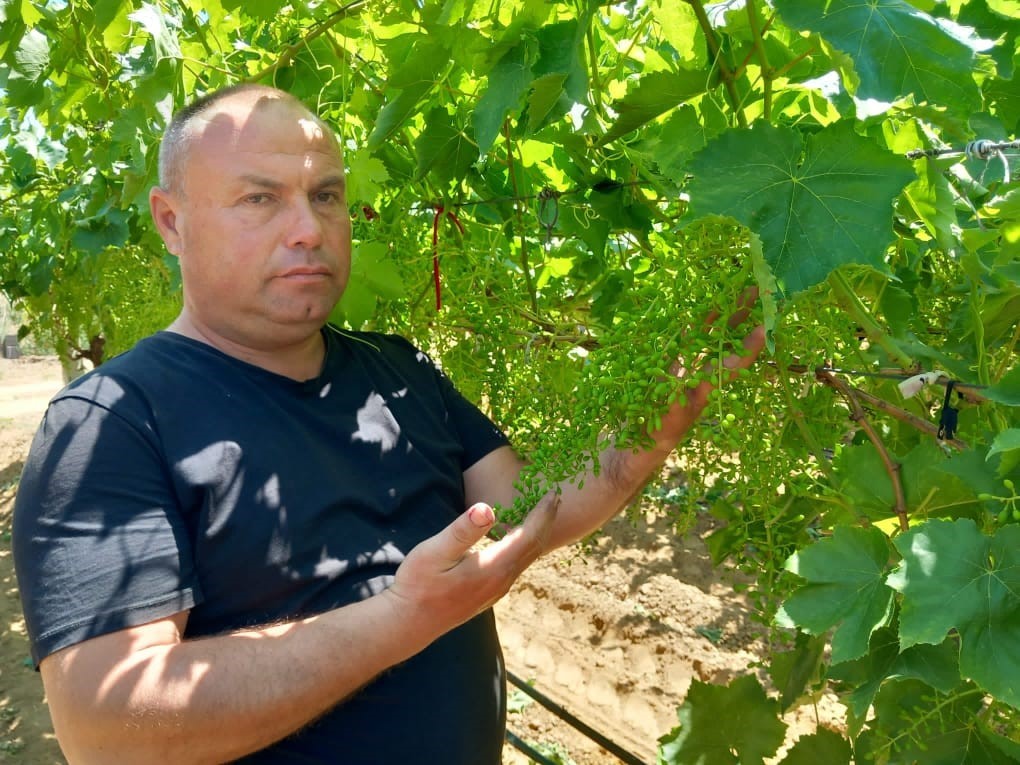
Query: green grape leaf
{"points": [[897, 49], [93, 235], [815, 207], [792, 671], [374, 275], [724, 725], [366, 176], [679, 25], [822, 746], [904, 729], [679, 137], [372, 266], [931, 485], [508, 82], [954, 577], [104, 12], [1006, 390], [936, 665], [421, 67], [154, 21], [655, 94], [32, 57], [442, 148], [396, 112], [845, 586], [560, 76], [546, 93], [1006, 441], [861, 479]]}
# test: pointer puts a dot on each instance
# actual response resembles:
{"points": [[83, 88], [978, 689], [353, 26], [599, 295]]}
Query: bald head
{"points": [[191, 121]]}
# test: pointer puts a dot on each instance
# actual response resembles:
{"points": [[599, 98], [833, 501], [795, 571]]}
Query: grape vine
{"points": [[550, 198]]}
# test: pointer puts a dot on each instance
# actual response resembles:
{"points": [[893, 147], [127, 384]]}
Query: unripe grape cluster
{"points": [[630, 379]]}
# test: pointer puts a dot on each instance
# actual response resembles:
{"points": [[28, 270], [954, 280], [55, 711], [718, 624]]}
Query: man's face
{"points": [[262, 228]]}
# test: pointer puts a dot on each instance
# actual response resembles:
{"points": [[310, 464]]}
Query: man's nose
{"points": [[305, 225]]}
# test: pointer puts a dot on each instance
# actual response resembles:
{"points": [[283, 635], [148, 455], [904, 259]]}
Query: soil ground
{"points": [[614, 636]]}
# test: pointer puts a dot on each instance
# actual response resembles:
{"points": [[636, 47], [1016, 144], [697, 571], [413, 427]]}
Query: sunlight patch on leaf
{"points": [[954, 577], [897, 49]]}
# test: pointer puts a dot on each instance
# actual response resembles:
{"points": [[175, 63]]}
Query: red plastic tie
{"points": [[452, 216]]}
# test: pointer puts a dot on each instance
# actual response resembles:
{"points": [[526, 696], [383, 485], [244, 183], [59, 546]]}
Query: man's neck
{"points": [[299, 360]]}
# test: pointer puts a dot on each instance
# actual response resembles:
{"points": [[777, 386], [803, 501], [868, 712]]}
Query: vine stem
{"points": [[727, 75], [766, 71], [1008, 357], [904, 416], [525, 264], [846, 295], [315, 32], [931, 713], [798, 420], [891, 466]]}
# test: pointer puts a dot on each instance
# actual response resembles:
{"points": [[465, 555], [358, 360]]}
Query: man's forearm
{"points": [[215, 699], [621, 475], [143, 695]]}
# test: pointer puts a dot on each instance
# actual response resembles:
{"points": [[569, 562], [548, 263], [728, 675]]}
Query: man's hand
{"points": [[681, 416], [445, 581]]}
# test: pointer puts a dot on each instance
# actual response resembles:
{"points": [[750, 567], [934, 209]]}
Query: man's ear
{"points": [[163, 205]]}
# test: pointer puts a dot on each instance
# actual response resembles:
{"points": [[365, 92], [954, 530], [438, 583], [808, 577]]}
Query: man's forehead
{"points": [[248, 123]]}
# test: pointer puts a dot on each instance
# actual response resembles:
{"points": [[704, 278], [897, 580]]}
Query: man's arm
{"points": [[145, 694], [622, 472]]}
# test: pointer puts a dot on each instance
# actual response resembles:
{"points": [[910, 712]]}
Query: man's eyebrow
{"points": [[332, 180], [269, 183], [259, 180]]}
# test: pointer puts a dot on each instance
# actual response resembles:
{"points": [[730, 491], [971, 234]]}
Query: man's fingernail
{"points": [[481, 515]]}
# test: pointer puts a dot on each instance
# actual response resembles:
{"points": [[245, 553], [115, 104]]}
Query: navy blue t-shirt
{"points": [[176, 477]]}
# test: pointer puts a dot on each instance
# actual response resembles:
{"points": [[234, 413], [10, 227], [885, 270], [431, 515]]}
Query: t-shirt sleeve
{"points": [[98, 543], [478, 434]]}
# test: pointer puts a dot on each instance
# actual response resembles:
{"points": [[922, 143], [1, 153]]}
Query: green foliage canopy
{"points": [[550, 195]]}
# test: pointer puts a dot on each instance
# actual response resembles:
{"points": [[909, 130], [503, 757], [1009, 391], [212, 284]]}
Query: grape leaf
{"points": [[509, 80], [724, 725], [420, 69], [904, 729], [373, 275], [154, 21], [560, 76], [822, 746], [861, 479], [897, 49], [655, 94], [442, 148], [953, 576], [32, 57], [366, 176], [396, 111], [1007, 441], [815, 207], [845, 586], [792, 671], [1007, 390], [936, 665]]}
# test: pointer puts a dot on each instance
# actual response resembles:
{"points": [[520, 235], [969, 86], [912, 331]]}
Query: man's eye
{"points": [[257, 199], [327, 197]]}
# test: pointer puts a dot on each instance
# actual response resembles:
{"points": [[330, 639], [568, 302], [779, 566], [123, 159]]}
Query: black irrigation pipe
{"points": [[606, 743], [528, 749]]}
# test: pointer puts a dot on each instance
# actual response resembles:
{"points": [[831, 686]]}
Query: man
{"points": [[252, 536]]}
